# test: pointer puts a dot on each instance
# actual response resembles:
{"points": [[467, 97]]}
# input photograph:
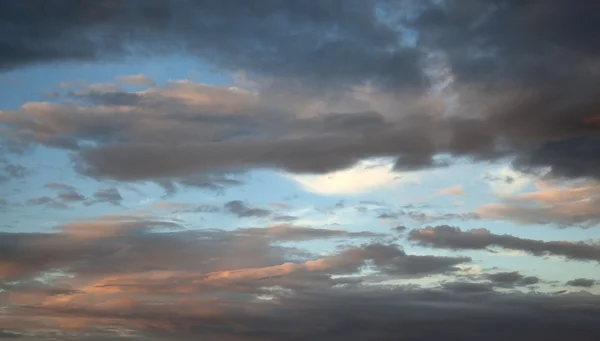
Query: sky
{"points": [[299, 170]]}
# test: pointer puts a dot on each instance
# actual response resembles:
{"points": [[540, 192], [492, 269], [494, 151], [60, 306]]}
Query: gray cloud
{"points": [[39, 201], [202, 283], [581, 282], [107, 195], [449, 237], [424, 217], [352, 313], [497, 78], [240, 209], [233, 35], [15, 171], [302, 233], [69, 196], [12, 171], [511, 279]]}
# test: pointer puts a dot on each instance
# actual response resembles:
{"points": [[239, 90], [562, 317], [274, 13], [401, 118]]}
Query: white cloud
{"points": [[364, 177], [506, 181]]}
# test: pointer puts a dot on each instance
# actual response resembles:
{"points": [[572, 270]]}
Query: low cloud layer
{"points": [[103, 275]]}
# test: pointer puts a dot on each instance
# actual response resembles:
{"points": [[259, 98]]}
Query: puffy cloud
{"points": [[449, 237]]}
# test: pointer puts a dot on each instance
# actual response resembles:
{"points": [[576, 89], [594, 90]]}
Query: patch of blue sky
{"points": [[33, 82]]}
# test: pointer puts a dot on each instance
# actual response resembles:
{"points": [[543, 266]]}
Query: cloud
{"points": [[562, 205], [66, 194], [39, 201], [506, 181], [240, 209], [581, 282], [107, 195], [302, 233], [457, 190], [422, 216], [327, 87], [139, 80], [511, 279], [331, 312], [449, 237], [363, 177], [12, 172], [15, 171], [389, 90], [223, 35], [157, 280]]}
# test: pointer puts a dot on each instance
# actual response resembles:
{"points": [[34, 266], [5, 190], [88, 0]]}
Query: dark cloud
{"points": [[511, 279], [400, 228], [468, 287], [314, 152], [450, 237], [241, 210], [8, 335], [233, 34], [213, 182], [353, 313], [581, 282], [519, 55], [108, 195], [102, 276]]}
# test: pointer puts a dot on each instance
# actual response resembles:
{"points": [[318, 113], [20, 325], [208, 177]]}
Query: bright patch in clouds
{"points": [[364, 177], [506, 181]]}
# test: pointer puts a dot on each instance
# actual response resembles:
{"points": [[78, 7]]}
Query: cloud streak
{"points": [[450, 237]]}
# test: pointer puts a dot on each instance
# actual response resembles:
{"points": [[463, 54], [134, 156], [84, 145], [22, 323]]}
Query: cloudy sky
{"points": [[299, 170]]}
